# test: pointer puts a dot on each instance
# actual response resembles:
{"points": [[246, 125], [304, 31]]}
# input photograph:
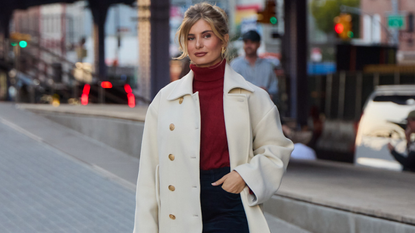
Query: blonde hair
{"points": [[213, 15]]}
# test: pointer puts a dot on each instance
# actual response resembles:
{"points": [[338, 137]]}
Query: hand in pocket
{"points": [[231, 182]]}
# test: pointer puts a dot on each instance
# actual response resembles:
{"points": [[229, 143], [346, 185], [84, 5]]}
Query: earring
{"points": [[223, 50]]}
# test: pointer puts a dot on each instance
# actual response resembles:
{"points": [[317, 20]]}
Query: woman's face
{"points": [[203, 46]]}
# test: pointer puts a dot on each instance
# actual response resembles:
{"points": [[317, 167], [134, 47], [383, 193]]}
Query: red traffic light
{"points": [[106, 84], [339, 28], [127, 88]]}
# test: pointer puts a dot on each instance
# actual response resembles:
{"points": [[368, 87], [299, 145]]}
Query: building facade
{"points": [[375, 28]]}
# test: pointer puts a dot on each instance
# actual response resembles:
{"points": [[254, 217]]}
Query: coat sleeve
{"points": [[146, 212], [272, 150]]}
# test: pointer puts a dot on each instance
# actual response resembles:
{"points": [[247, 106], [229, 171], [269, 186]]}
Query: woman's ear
{"points": [[226, 37]]}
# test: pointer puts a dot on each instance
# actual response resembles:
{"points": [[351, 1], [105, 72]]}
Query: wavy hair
{"points": [[213, 15]]}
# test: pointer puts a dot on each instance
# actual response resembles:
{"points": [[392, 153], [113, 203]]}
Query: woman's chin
{"points": [[203, 62]]}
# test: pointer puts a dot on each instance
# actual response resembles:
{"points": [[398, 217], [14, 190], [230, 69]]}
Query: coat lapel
{"points": [[183, 87], [234, 80], [237, 120]]}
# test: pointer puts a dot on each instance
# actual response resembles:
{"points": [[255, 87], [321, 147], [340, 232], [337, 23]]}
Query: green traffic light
{"points": [[273, 20], [350, 34], [23, 44], [13, 43]]}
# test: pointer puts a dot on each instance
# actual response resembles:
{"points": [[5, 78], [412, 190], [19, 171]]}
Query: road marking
{"points": [[109, 175], [21, 130]]}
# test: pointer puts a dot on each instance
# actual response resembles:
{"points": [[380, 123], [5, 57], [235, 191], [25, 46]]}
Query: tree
{"points": [[324, 12]]}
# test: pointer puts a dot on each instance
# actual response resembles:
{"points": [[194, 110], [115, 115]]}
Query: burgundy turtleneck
{"points": [[208, 81]]}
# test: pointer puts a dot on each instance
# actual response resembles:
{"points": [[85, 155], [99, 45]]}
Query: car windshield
{"points": [[397, 99]]}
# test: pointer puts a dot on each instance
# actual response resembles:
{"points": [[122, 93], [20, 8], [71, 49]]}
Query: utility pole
{"points": [[232, 6], [395, 32], [295, 54]]}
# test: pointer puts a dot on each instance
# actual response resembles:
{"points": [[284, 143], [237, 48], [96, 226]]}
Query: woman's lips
{"points": [[200, 54]]}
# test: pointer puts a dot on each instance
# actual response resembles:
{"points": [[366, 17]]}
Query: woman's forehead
{"points": [[199, 27]]}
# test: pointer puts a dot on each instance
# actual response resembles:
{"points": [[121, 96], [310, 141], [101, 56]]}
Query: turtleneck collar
{"points": [[210, 73]]}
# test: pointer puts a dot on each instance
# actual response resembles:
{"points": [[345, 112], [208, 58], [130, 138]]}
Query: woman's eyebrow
{"points": [[201, 33]]}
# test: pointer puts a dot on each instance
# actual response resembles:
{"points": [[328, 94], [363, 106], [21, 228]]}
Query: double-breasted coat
{"points": [[168, 189]]}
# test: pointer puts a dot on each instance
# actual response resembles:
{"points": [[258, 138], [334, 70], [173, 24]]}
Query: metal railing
{"points": [[342, 95], [49, 73]]}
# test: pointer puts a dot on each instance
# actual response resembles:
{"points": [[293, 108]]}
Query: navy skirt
{"points": [[222, 212]]}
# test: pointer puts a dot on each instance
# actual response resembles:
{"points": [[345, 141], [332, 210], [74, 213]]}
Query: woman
{"points": [[212, 148]]}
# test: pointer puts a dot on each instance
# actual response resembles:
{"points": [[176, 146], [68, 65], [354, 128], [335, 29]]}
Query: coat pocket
{"points": [[157, 187]]}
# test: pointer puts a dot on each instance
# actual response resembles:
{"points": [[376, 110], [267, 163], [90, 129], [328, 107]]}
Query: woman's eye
{"points": [[190, 38], [207, 36]]}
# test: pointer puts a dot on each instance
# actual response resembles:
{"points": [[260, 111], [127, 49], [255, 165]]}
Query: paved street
{"points": [[67, 144], [55, 179], [44, 190]]}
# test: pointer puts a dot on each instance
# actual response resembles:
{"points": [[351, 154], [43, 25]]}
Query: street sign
{"points": [[396, 21]]}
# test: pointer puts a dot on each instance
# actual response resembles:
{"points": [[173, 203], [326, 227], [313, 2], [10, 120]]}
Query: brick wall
{"points": [[383, 8]]}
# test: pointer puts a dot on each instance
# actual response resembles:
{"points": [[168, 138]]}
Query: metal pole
{"points": [[74, 89], [329, 86], [296, 61], [232, 6], [101, 95], [395, 10], [342, 88], [397, 77], [318, 90], [375, 80], [32, 93], [160, 37], [359, 80], [16, 66], [99, 13], [144, 45]]}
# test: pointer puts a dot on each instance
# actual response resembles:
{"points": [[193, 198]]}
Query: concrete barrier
{"points": [[322, 219], [123, 135]]}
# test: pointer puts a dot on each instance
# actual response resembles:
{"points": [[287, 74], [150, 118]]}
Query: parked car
{"points": [[383, 121]]}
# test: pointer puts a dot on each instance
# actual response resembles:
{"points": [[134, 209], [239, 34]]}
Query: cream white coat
{"points": [[258, 151]]}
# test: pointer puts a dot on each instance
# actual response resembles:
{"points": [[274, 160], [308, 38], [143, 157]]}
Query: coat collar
{"points": [[233, 80]]}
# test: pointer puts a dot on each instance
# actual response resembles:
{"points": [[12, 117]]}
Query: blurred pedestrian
{"points": [[213, 149], [316, 124], [253, 68], [81, 52], [408, 161]]}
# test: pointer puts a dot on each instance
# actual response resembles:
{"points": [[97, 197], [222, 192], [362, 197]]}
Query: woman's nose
{"points": [[199, 43]]}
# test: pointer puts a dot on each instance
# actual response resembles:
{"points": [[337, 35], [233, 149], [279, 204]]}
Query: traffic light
{"points": [[343, 26], [20, 39], [23, 44], [268, 15]]}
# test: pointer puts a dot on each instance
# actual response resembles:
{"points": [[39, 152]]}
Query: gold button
{"points": [[171, 157], [171, 127], [172, 188], [181, 100], [172, 216]]}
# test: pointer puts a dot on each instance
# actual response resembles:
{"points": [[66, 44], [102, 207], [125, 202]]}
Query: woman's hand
{"points": [[232, 182]]}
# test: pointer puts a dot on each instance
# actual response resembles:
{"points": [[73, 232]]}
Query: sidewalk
{"points": [[58, 180], [45, 190]]}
